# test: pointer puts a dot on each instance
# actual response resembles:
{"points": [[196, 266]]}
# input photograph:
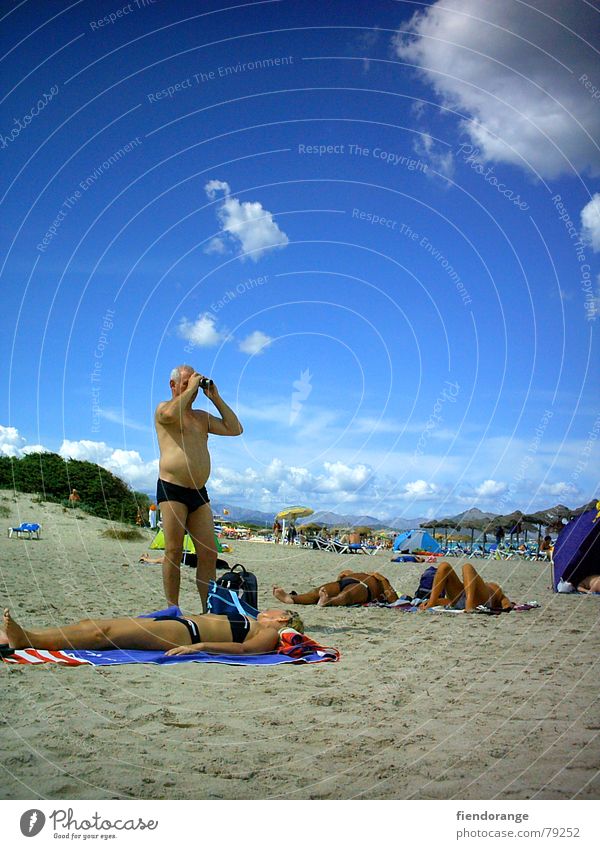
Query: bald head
{"points": [[181, 371]]}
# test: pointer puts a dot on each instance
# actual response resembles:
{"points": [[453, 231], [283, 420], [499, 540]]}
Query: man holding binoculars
{"points": [[184, 468]]}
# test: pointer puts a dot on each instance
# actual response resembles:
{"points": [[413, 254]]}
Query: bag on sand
{"points": [[243, 583], [423, 592]]}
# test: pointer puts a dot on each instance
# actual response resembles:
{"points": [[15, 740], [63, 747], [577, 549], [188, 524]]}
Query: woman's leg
{"points": [[476, 589], [446, 582], [100, 634], [353, 594], [311, 597]]}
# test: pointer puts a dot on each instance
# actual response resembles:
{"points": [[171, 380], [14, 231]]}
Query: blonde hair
{"points": [[295, 621]]}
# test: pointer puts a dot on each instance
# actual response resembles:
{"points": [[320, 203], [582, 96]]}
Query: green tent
{"points": [[159, 542]]}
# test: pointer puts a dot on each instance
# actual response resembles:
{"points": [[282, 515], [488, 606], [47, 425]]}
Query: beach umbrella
{"points": [[292, 513], [474, 525], [441, 523], [313, 527], [538, 519], [509, 521]]}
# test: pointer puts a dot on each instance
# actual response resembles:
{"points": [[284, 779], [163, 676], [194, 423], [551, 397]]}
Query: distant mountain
{"points": [[330, 519], [243, 514], [402, 524], [324, 517], [473, 513]]}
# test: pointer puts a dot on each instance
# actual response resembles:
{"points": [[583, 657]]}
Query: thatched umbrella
{"points": [[475, 525], [446, 524], [509, 522]]}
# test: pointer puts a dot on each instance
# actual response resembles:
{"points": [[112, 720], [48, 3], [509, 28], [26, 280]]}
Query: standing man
{"points": [[183, 471]]}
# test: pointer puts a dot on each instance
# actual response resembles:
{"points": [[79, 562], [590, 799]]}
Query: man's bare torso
{"points": [[184, 457]]}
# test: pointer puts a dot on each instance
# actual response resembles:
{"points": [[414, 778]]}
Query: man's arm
{"points": [[172, 411], [228, 424]]}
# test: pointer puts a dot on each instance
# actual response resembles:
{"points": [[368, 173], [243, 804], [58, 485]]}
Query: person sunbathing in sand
{"points": [[591, 584], [146, 558], [207, 632], [468, 594], [349, 588]]}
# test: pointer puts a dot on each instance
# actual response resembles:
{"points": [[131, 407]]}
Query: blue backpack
{"points": [[242, 583], [426, 583]]}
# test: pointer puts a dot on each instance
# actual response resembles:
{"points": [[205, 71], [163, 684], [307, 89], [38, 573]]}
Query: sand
{"points": [[420, 706]]}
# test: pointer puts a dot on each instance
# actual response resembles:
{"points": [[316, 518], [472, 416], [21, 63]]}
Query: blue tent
{"points": [[577, 549], [410, 540]]}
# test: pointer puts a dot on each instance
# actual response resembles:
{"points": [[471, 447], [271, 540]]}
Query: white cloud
{"points": [[216, 246], [202, 332], [590, 221], [119, 417], [517, 73], [12, 444], [341, 477], [128, 465], [440, 158], [490, 489], [214, 186], [255, 343], [248, 226], [561, 490], [420, 490]]}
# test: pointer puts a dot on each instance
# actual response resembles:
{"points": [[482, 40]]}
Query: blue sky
{"points": [[376, 226]]}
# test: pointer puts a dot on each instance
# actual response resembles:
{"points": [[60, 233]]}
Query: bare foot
{"points": [[281, 595], [17, 637], [323, 598]]}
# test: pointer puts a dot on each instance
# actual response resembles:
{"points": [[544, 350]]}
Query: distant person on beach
{"points": [[349, 588], [152, 516], [291, 534], [184, 469], [74, 497], [591, 584], [546, 546], [472, 592], [277, 530], [175, 635]]}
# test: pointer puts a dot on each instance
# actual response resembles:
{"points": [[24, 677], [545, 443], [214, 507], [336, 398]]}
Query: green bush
{"points": [[122, 533], [52, 478]]}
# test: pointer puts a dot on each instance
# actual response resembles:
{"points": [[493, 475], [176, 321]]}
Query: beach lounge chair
{"points": [[28, 528], [338, 547]]}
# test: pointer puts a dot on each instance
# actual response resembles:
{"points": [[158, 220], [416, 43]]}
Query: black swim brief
{"points": [[240, 626], [348, 582], [193, 629], [192, 498]]}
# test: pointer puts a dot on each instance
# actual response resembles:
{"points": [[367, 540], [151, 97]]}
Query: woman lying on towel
{"points": [[207, 632], [469, 594], [349, 588]]}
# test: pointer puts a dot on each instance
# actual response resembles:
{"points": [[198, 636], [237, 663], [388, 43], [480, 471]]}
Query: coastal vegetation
{"points": [[52, 478]]}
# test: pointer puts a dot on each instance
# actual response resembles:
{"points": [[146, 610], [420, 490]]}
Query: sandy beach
{"points": [[420, 706]]}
